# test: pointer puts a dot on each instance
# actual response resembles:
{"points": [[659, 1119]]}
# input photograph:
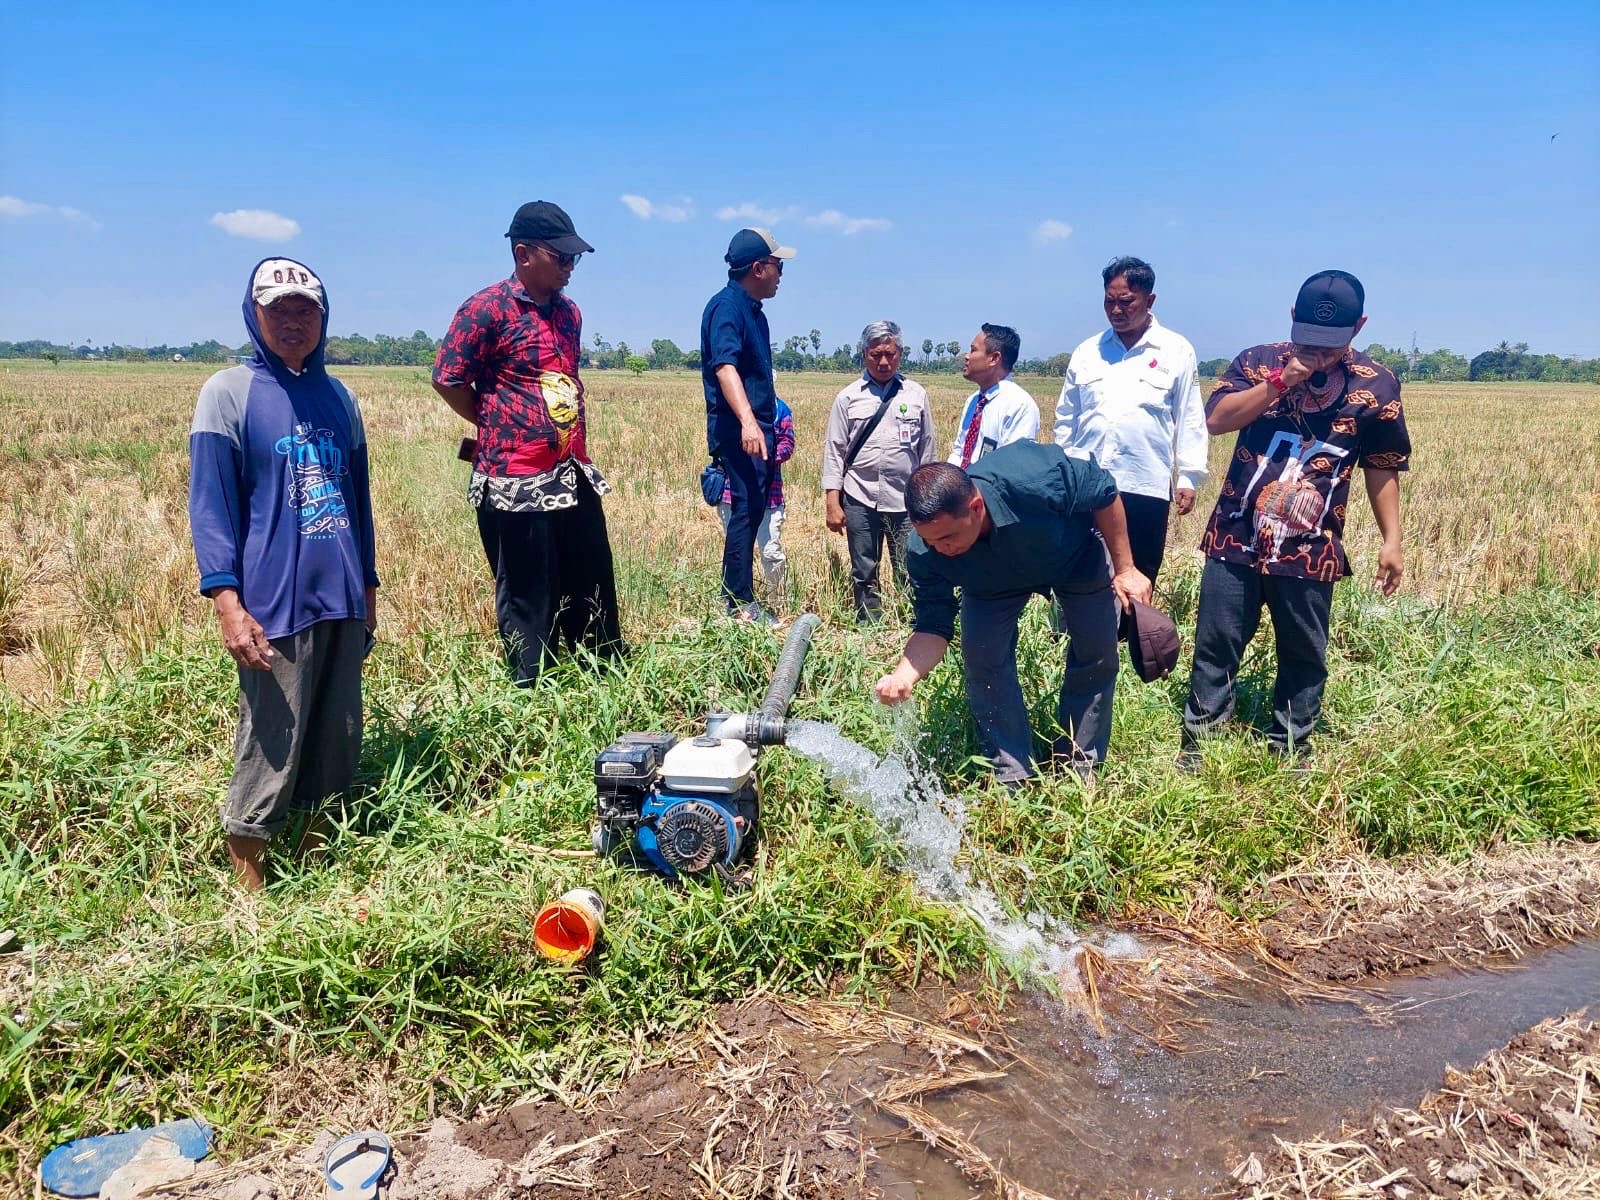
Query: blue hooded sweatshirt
{"points": [[279, 501]]}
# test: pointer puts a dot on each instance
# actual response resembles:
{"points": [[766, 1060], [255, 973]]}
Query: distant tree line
{"points": [[206, 352], [804, 352], [801, 352], [1507, 361], [380, 351]]}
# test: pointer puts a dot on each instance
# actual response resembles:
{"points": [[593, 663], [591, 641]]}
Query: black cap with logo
{"points": [[541, 221], [1328, 309]]}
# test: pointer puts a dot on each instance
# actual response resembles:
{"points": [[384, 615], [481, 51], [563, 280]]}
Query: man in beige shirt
{"points": [[879, 431]]}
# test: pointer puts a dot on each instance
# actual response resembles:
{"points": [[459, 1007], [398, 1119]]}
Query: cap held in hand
{"points": [[1152, 641]]}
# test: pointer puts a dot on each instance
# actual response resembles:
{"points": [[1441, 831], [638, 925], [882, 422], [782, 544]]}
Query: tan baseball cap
{"points": [[280, 277]]}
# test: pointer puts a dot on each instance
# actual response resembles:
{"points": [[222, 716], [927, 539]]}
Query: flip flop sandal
{"points": [[80, 1167], [355, 1163]]}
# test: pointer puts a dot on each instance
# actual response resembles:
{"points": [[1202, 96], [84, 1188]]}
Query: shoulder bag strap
{"points": [[865, 431]]}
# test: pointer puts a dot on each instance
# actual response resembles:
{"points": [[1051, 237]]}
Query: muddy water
{"points": [[1117, 1117]]}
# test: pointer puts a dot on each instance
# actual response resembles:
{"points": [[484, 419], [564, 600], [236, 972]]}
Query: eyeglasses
{"points": [[774, 262]]}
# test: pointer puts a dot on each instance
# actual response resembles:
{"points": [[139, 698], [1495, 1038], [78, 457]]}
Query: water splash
{"points": [[904, 795]]}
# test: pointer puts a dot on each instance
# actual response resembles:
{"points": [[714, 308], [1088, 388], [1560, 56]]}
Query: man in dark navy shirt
{"points": [[1022, 521], [741, 403]]}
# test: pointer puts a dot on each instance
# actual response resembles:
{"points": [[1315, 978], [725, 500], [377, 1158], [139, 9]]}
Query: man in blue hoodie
{"points": [[280, 510]]}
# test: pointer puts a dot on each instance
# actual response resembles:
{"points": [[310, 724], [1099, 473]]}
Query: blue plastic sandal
{"points": [[80, 1167], [355, 1163]]}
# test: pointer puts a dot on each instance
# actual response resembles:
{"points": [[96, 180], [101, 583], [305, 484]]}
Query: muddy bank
{"points": [[732, 1116], [1525, 1121], [946, 1100], [1356, 919], [755, 1105]]}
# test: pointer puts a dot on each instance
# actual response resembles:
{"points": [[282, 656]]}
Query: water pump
{"points": [[686, 806]]}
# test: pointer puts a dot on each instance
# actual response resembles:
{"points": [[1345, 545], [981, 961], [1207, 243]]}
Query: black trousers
{"points": [[554, 582], [1231, 597], [749, 481], [1147, 531], [866, 530]]}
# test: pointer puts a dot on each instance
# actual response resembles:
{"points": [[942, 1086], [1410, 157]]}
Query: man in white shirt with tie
{"points": [[1131, 398], [999, 412]]}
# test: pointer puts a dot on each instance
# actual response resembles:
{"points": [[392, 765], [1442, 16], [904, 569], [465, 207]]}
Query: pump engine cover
{"points": [[707, 764], [693, 835]]}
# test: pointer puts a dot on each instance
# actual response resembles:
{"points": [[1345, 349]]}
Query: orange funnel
{"points": [[566, 929]]}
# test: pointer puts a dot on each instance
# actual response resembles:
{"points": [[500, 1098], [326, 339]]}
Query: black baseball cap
{"points": [[541, 221], [750, 246], [1328, 309]]}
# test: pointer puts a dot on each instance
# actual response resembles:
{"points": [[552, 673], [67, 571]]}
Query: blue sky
{"points": [[999, 156]]}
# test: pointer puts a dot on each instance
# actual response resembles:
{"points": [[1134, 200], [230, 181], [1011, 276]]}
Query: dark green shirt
{"points": [[1040, 501]]}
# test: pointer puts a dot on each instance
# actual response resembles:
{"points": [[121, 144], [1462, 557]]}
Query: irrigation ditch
{"points": [[1482, 1081]]}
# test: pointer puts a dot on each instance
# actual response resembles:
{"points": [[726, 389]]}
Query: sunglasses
{"points": [[563, 260], [774, 262]]}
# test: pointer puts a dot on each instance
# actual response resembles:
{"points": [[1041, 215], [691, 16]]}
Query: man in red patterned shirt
{"points": [[509, 364]]}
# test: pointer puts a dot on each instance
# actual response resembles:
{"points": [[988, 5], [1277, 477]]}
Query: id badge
{"points": [[906, 431]]}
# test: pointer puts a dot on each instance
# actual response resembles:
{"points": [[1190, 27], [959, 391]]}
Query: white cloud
{"points": [[647, 209], [257, 224], [14, 206], [831, 218], [849, 226], [754, 213], [1052, 231]]}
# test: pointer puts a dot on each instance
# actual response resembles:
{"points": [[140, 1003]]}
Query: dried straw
{"points": [[1524, 1122], [1358, 918]]}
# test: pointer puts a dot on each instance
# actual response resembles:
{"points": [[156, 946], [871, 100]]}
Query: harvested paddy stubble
{"points": [[1524, 1122], [1360, 919]]}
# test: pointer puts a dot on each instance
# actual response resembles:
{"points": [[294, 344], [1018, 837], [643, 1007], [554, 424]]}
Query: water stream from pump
{"points": [[905, 797]]}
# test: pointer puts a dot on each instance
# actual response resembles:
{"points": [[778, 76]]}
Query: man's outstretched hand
{"points": [[895, 688]]}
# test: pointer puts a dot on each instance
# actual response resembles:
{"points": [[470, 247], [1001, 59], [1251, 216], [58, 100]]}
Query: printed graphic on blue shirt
{"points": [[317, 470]]}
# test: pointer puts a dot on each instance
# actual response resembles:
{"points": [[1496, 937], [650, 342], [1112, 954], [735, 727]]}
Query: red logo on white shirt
{"points": [[1152, 362]]}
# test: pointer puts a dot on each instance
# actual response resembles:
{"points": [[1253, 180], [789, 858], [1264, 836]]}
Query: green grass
{"points": [[1457, 730]]}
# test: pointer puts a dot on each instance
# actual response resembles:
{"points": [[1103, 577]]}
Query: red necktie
{"points": [[971, 442]]}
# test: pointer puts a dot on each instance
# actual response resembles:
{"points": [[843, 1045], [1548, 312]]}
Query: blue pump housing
{"points": [[680, 831]]}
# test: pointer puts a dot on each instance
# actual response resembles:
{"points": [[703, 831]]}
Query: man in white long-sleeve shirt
{"points": [[1131, 398], [999, 412]]}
